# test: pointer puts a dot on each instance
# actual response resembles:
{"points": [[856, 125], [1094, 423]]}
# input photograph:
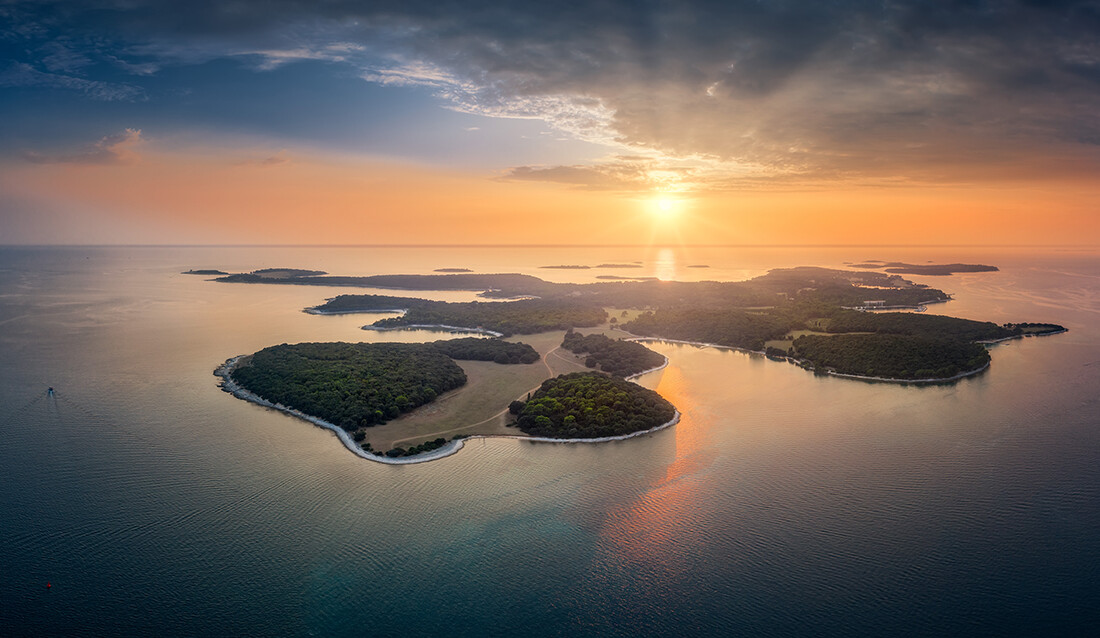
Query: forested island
{"points": [[204, 272], [589, 405], [935, 270], [764, 314]]}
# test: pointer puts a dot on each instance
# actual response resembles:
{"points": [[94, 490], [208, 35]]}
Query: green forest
{"points": [[617, 357], [352, 385], [526, 316], [496, 350], [914, 324], [892, 356], [588, 405], [721, 326]]}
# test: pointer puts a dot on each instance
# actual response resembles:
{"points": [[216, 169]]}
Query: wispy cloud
{"points": [[115, 149], [278, 159], [22, 74]]}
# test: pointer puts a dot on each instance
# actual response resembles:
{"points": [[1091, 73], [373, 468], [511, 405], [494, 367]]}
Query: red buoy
{"points": [[48, 585]]}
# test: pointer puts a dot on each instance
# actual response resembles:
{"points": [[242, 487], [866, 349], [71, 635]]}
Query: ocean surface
{"points": [[782, 504]]}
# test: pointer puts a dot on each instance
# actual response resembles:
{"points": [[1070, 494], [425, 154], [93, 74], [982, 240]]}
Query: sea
{"points": [[140, 500]]}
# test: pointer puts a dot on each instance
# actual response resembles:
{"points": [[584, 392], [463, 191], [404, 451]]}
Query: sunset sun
{"points": [[664, 208]]}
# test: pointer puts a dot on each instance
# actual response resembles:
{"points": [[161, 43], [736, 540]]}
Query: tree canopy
{"points": [[590, 405], [352, 385], [617, 357]]}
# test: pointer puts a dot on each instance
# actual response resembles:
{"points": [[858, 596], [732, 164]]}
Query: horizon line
{"points": [[648, 245]]}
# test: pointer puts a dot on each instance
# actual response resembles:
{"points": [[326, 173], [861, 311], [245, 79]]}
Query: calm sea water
{"points": [[783, 503]]}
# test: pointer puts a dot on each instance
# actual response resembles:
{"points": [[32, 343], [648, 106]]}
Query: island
{"points": [[370, 393], [830, 322], [592, 406], [452, 270], [933, 270], [204, 272]]}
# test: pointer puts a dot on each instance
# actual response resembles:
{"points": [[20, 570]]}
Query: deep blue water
{"points": [[783, 504]]}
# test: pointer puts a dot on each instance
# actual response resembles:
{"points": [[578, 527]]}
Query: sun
{"points": [[664, 207]]}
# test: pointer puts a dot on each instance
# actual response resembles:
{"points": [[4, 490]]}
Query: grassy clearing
{"points": [[480, 406]]}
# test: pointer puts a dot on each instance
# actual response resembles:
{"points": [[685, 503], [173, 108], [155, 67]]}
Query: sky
{"points": [[592, 122]]}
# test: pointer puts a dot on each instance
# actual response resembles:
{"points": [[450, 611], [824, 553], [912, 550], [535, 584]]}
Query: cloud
{"points": [[59, 58], [624, 173], [860, 90], [278, 159], [22, 74], [114, 149]]}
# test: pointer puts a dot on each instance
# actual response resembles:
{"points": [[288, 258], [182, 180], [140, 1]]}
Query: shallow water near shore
{"points": [[782, 503]]}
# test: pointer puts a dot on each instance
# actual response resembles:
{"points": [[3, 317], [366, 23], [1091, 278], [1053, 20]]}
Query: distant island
{"points": [[618, 266], [568, 267], [204, 272], [452, 270], [699, 266], [935, 270], [622, 278]]}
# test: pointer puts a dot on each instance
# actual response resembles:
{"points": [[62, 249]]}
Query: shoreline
{"points": [[860, 377], [314, 310], [447, 449], [438, 327], [917, 307], [961, 375], [1021, 336]]}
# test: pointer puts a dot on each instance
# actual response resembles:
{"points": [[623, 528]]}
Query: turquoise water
{"points": [[783, 503]]}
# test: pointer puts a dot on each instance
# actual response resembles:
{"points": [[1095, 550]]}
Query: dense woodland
{"points": [[526, 316], [495, 350], [617, 357], [367, 303], [352, 385], [725, 327], [921, 325], [590, 405], [891, 356]]}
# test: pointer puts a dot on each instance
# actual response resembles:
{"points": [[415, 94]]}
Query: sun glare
{"points": [[664, 208]]}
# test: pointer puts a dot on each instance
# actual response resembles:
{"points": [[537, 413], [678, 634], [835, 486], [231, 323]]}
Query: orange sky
{"points": [[192, 198]]}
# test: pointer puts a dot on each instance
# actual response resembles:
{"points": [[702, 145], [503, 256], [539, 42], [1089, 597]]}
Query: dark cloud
{"points": [[846, 89]]}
